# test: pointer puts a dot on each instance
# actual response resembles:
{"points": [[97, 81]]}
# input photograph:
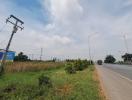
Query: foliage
{"points": [[127, 57], [44, 81], [21, 57], [85, 63], [74, 60], [109, 59], [70, 68], [70, 60], [81, 64], [24, 86], [99, 62], [15, 91], [77, 65]]}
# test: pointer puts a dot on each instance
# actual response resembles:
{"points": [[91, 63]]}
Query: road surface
{"points": [[116, 80], [125, 70]]}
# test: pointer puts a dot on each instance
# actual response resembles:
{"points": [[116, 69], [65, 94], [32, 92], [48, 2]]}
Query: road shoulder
{"points": [[115, 87], [101, 85]]}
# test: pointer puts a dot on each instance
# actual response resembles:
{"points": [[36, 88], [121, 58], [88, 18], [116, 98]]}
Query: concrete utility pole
{"points": [[126, 45], [89, 49], [15, 28], [89, 46], [32, 56], [41, 54]]}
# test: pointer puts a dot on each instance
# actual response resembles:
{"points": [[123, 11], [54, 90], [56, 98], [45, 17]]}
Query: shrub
{"points": [[70, 68], [85, 63], [44, 81], [81, 64], [78, 65]]}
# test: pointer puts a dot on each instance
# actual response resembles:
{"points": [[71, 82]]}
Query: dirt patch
{"points": [[101, 87], [65, 89]]}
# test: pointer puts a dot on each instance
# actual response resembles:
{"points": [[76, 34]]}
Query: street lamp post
{"points": [[125, 42], [89, 47]]}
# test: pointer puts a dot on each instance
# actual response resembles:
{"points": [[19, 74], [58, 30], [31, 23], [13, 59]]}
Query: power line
{"points": [[2, 28], [41, 54], [15, 29], [2, 41]]}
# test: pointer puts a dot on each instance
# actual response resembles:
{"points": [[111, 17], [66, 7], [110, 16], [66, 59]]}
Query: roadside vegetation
{"points": [[31, 66], [127, 59], [109, 59], [49, 81]]}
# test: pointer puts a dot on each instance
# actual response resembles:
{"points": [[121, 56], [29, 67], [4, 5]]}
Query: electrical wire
{"points": [[2, 28]]}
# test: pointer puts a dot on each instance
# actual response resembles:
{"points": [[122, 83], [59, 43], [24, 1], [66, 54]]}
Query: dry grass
{"points": [[65, 89], [31, 66], [101, 89]]}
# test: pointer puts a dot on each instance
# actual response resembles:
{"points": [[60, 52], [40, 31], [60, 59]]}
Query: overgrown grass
{"points": [[79, 86], [31, 66]]}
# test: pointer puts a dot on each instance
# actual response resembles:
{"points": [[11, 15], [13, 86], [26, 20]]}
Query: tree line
{"points": [[127, 58]]}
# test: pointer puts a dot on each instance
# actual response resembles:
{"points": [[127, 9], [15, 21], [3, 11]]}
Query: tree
{"points": [[109, 59], [21, 57], [127, 57]]}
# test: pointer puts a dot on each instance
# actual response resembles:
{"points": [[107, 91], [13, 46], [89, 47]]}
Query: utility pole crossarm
{"points": [[16, 23], [11, 16]]}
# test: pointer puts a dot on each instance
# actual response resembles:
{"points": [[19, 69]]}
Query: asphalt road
{"points": [[125, 70], [116, 81]]}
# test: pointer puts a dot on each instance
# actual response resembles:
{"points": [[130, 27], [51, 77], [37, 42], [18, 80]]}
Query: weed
{"points": [[44, 81], [70, 68]]}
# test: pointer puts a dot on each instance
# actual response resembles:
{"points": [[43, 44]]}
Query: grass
{"points": [[31, 66], [24, 86]]}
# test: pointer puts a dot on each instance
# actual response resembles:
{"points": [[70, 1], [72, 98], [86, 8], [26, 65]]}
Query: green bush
{"points": [[70, 68], [44, 81], [81, 64], [78, 65], [85, 63]]}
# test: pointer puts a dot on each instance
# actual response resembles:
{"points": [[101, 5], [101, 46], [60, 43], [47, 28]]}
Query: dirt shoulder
{"points": [[101, 86]]}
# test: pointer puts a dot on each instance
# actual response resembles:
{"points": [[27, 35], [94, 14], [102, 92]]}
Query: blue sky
{"points": [[62, 27]]}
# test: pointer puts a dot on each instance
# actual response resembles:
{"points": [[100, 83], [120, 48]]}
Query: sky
{"points": [[67, 28]]}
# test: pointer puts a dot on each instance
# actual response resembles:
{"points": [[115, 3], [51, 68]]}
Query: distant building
{"points": [[10, 55]]}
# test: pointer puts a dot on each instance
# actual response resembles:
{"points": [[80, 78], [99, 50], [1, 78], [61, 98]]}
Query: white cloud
{"points": [[70, 23], [128, 3], [64, 10], [78, 19]]}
